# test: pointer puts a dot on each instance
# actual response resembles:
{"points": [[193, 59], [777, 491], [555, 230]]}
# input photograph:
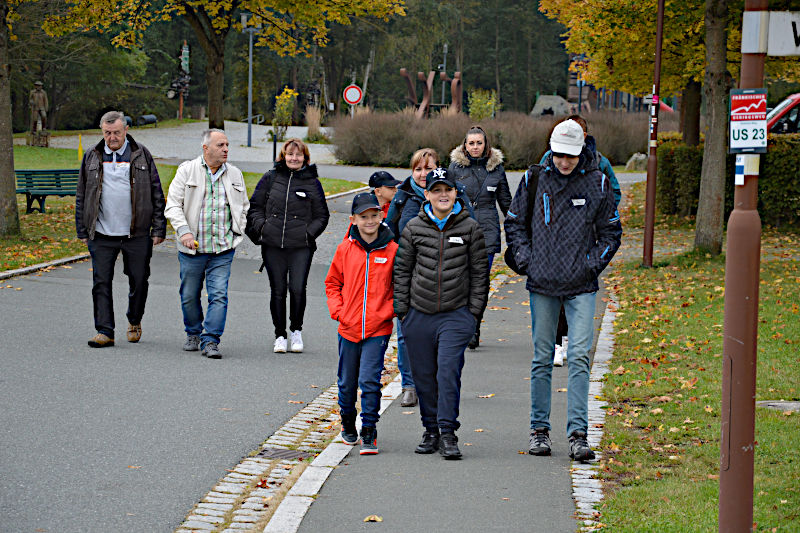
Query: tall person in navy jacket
{"points": [[563, 242]]}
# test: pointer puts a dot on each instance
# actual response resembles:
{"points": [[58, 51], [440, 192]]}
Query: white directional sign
{"points": [[748, 121], [784, 33]]}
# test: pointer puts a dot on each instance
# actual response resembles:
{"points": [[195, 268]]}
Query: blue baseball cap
{"points": [[363, 201]]}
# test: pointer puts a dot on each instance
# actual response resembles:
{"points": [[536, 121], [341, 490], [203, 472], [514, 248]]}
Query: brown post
{"points": [[742, 260], [652, 160]]}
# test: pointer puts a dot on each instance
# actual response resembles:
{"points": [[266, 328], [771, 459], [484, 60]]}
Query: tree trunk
{"points": [[9, 216], [215, 79], [690, 113], [710, 209]]}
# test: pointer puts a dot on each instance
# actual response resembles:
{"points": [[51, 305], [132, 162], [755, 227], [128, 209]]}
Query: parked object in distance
{"points": [[785, 117]]}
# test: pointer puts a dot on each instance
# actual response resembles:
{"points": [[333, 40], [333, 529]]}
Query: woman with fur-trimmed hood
{"points": [[479, 167]]}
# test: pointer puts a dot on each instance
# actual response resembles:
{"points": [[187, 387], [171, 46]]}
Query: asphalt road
{"points": [[127, 439]]}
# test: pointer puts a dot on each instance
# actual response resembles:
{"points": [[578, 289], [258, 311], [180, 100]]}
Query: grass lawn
{"points": [[51, 235], [168, 123], [662, 430]]}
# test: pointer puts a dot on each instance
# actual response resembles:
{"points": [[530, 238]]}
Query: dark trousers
{"points": [[436, 345], [136, 254], [360, 367], [282, 264]]}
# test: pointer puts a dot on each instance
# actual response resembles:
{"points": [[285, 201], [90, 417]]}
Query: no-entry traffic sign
{"points": [[748, 114], [353, 94]]}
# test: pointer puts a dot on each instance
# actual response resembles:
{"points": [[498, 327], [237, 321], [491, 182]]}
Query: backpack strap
{"points": [[532, 185]]}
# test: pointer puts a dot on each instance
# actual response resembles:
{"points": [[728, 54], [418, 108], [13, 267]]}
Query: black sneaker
{"points": [[475, 341], [578, 447], [349, 433], [369, 441], [429, 444], [540, 442], [448, 446]]}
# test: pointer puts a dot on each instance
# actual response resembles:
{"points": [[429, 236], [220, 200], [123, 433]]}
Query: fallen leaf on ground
{"points": [[132, 467], [225, 409], [296, 401], [561, 390], [485, 395], [408, 412], [479, 430], [373, 518], [314, 386], [497, 308]]}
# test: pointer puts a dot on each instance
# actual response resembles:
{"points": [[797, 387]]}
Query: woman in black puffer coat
{"points": [[287, 213], [479, 167]]}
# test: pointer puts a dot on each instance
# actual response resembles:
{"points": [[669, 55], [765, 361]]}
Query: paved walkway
{"points": [[130, 438]]}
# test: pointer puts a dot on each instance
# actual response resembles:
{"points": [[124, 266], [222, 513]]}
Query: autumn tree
{"points": [[289, 28], [9, 216]]}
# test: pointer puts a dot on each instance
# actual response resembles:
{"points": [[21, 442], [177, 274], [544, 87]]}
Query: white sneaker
{"points": [[280, 345], [297, 341], [561, 351]]}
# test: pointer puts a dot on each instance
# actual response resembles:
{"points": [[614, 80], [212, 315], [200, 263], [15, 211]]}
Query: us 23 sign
{"points": [[748, 121]]}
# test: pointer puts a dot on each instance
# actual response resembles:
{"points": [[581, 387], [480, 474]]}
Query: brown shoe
{"points": [[101, 340], [134, 332]]}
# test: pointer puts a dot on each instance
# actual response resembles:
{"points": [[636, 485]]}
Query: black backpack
{"points": [[532, 185]]}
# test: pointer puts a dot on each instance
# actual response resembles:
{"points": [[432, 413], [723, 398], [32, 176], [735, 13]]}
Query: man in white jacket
{"points": [[207, 205]]}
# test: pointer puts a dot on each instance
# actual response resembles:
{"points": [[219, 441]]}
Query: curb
{"points": [[587, 488], [41, 266], [345, 193]]}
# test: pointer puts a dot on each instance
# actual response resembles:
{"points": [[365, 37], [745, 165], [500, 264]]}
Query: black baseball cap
{"points": [[439, 175], [382, 178], [363, 201]]}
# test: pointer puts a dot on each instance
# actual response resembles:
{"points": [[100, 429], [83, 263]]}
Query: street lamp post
{"points": [[251, 30]]}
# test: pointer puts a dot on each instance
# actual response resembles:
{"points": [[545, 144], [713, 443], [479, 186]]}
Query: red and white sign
{"points": [[353, 94], [749, 106], [748, 126]]}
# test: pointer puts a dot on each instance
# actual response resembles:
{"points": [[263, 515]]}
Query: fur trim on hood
{"points": [[458, 156]]}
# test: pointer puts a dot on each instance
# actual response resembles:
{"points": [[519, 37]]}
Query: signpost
{"points": [[353, 95], [748, 121], [184, 77]]}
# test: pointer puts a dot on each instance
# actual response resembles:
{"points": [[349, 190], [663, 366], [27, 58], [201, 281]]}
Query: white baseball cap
{"points": [[567, 138]]}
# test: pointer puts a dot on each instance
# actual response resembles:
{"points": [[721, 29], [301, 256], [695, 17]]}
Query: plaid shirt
{"points": [[214, 233]]}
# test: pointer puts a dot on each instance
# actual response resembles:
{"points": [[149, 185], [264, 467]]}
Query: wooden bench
{"points": [[37, 185]]}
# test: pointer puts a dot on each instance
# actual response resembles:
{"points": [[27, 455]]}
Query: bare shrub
{"points": [[313, 120], [377, 138]]}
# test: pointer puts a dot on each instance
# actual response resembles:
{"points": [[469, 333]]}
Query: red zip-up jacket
{"points": [[359, 286]]}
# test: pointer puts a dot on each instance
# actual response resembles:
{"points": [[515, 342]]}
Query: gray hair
{"points": [[207, 135], [112, 116]]}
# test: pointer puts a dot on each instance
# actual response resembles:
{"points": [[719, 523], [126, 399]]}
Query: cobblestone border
{"points": [[273, 495], [587, 489], [42, 266]]}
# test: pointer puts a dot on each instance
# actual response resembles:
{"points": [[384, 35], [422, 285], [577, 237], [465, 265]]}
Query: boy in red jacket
{"points": [[360, 297]]}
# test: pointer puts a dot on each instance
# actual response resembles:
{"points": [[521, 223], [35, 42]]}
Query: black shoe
{"points": [[578, 447], [369, 441], [349, 433], [448, 446], [212, 351], [409, 398], [540, 442], [429, 444]]}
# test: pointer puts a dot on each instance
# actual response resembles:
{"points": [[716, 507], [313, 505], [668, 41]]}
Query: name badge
{"points": [[381, 260], [578, 201], [490, 188], [457, 240], [301, 194]]}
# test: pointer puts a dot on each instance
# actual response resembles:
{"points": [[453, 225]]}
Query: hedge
{"points": [[389, 139], [680, 167]]}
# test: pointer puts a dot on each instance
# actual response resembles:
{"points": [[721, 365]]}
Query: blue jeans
{"points": [[360, 366], [215, 269], [406, 379], [544, 322]]}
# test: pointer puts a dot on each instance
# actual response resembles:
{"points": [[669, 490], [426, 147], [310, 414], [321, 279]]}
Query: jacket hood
{"points": [[308, 171], [464, 212], [494, 160], [408, 187]]}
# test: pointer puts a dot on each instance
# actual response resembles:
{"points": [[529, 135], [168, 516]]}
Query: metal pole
{"points": [[652, 160], [740, 334], [250, 90], [444, 81]]}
